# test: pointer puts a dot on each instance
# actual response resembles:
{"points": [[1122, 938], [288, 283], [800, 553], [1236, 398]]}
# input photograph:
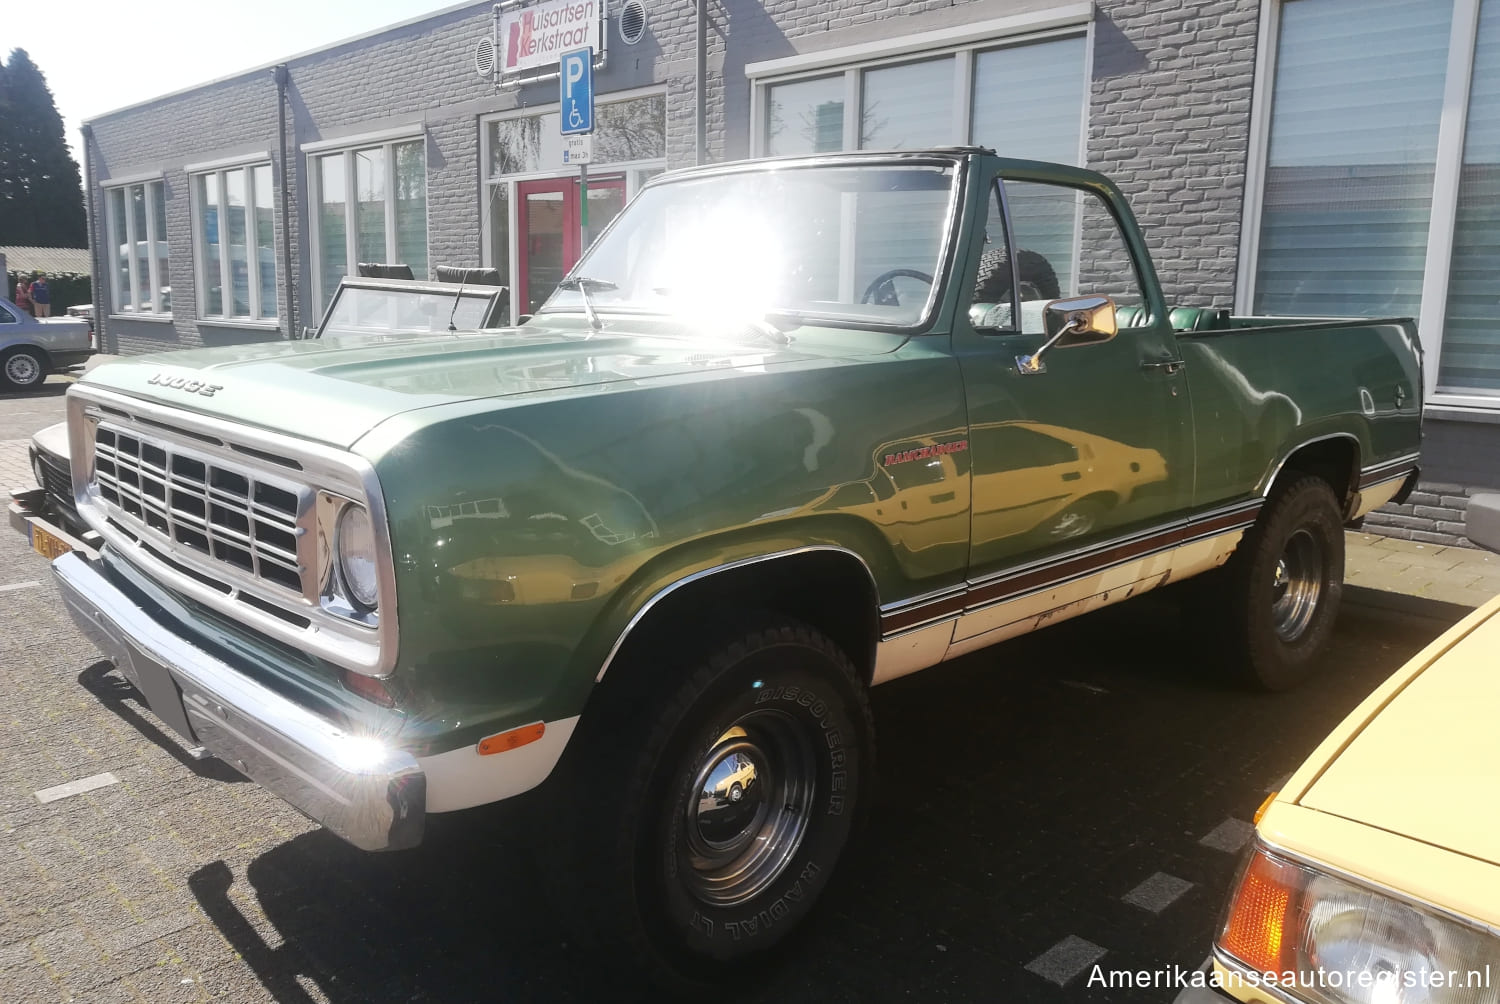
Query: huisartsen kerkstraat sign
{"points": [[536, 36]]}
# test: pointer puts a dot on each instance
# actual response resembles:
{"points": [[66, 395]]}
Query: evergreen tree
{"points": [[41, 192]]}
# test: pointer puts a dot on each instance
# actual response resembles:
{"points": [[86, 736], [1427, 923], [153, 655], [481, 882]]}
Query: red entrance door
{"points": [[548, 220]]}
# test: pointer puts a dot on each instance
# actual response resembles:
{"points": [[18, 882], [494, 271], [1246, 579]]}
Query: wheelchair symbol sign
{"points": [[576, 74]]}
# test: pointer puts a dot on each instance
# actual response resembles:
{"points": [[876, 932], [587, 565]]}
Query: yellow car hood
{"points": [[1426, 765]]}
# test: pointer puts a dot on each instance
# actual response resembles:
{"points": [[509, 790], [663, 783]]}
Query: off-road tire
{"points": [[994, 280], [624, 867], [1265, 642]]}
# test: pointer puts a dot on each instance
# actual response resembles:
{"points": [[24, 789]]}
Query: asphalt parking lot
{"points": [[1080, 791]]}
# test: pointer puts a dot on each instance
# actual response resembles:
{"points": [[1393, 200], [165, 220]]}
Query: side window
{"points": [[1068, 244], [6, 317], [993, 303]]}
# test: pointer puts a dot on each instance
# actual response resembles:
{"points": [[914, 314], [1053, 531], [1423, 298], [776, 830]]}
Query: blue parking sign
{"points": [[576, 73]]}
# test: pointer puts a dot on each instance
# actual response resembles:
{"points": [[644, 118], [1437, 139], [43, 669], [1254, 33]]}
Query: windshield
{"points": [[843, 242], [378, 311]]}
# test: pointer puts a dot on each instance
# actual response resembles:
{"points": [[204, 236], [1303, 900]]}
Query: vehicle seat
{"points": [[1132, 317], [1198, 318]]}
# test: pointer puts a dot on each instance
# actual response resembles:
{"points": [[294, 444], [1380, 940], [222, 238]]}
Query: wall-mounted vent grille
{"points": [[633, 22]]}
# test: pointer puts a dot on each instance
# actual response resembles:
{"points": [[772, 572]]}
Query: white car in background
{"points": [[32, 347]]}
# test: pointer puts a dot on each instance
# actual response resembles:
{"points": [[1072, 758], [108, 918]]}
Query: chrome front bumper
{"points": [[371, 795]]}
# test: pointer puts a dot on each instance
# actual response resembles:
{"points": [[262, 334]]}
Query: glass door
{"points": [[548, 241], [549, 219]]}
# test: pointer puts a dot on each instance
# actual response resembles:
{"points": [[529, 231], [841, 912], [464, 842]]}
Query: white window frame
{"points": [[635, 172], [1441, 224], [155, 190], [252, 250], [314, 153], [963, 43]]}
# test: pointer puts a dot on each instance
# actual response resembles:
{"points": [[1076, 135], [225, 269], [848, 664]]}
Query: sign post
{"points": [[575, 74]]}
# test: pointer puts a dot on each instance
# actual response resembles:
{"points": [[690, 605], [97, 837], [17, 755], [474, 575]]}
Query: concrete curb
{"points": [[1416, 606]]}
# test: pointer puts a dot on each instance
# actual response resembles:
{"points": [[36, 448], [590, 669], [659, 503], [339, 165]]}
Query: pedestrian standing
{"points": [[41, 297], [22, 298]]}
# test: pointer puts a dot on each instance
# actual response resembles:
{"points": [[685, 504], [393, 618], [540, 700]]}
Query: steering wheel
{"points": [[882, 291]]}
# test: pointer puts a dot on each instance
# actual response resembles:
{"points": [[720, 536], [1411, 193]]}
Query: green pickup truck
{"points": [[790, 429]]}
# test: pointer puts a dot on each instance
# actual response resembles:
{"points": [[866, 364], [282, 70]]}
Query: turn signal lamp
{"points": [[1255, 931], [1263, 807], [504, 742]]}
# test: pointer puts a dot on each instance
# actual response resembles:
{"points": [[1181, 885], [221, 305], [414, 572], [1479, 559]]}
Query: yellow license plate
{"points": [[48, 545]]}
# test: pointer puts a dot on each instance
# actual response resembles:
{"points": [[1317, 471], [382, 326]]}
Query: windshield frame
{"points": [[958, 161], [448, 292]]}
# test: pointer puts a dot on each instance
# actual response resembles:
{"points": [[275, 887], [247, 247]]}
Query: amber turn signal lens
{"points": [[504, 742], [1263, 807], [1256, 929]]}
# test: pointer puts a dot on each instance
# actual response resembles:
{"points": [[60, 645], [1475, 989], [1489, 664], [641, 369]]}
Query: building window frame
{"points": [[637, 173], [313, 155], [1442, 222], [252, 257], [963, 45], [154, 194]]}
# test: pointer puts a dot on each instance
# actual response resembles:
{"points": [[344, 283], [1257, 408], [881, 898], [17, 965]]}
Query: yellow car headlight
{"points": [[1321, 938]]}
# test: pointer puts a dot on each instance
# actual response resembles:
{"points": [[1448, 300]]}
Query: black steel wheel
{"points": [[733, 793], [1281, 589]]}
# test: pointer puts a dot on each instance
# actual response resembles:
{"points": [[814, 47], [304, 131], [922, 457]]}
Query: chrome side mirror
{"points": [[1082, 320]]}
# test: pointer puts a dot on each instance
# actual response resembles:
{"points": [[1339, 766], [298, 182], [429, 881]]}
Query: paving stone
{"points": [[1066, 960], [1229, 836], [1158, 892], [1437, 558]]}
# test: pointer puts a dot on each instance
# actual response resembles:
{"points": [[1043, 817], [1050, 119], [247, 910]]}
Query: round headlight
{"points": [[356, 549]]}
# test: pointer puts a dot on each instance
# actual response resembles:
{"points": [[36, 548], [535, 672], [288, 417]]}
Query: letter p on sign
{"points": [[577, 76]]}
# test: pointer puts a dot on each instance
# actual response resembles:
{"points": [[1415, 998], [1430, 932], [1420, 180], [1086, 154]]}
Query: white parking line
{"points": [[1065, 960], [76, 787], [1229, 836], [19, 585], [1158, 892]]}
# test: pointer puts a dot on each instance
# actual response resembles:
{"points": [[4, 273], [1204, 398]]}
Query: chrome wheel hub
{"points": [[1297, 585], [748, 809]]}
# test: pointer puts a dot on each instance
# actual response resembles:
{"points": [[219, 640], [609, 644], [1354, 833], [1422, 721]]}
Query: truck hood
{"points": [[1426, 765], [335, 390]]}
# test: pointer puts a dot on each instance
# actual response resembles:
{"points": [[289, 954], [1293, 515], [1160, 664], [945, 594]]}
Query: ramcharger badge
{"points": [[925, 452]]}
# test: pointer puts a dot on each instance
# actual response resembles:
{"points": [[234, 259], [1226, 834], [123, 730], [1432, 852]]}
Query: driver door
{"points": [[1095, 447]]}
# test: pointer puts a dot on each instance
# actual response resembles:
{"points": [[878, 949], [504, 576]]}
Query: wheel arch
{"points": [[46, 357], [829, 587], [1334, 457]]}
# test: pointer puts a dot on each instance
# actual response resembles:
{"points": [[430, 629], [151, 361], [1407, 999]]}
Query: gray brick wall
{"points": [[1434, 513], [1169, 121], [1459, 460], [1168, 118]]}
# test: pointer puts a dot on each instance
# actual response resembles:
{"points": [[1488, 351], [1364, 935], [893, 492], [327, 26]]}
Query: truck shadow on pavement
{"points": [[116, 694], [1023, 791]]}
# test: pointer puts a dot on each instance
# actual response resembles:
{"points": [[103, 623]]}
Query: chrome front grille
{"points": [[56, 479], [202, 504]]}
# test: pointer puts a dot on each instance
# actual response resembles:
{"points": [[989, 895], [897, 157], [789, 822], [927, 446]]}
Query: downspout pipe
{"points": [[98, 276], [700, 87], [282, 76]]}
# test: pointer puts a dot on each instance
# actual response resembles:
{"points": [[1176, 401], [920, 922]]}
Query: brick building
{"points": [[1301, 157]]}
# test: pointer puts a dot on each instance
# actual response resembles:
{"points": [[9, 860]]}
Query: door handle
{"points": [[1170, 365], [1072, 476]]}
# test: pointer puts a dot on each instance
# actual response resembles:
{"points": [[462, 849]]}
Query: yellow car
{"points": [[1375, 873]]}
